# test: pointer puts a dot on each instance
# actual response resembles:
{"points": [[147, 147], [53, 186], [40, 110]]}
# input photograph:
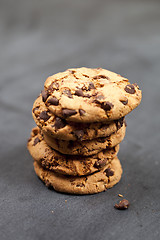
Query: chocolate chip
{"points": [[109, 172], [79, 93], [68, 112], [79, 134], [53, 86], [122, 205], [72, 71], [43, 115], [130, 89], [59, 123], [119, 123], [124, 101], [101, 76], [91, 86], [82, 112], [44, 95], [68, 93], [36, 140], [107, 106], [100, 163], [53, 101]]}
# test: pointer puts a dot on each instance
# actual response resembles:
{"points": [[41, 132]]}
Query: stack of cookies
{"points": [[80, 123]]}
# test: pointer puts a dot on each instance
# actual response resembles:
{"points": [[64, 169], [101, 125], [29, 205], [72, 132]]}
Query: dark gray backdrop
{"points": [[39, 38]]}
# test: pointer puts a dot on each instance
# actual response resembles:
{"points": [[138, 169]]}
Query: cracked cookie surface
{"points": [[67, 164], [94, 183], [90, 95]]}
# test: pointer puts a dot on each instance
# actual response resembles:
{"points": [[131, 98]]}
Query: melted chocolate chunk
{"points": [[79, 93], [68, 112], [124, 101], [122, 205], [44, 95], [59, 123], [44, 116], [82, 112], [36, 140], [130, 89], [68, 93], [107, 106], [91, 86], [109, 172], [100, 163], [53, 101], [79, 134]]}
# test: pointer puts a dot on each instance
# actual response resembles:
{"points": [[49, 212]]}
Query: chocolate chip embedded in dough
{"points": [[36, 140], [53, 86], [44, 95], [130, 89], [68, 93], [107, 106], [82, 112], [53, 101], [68, 112], [109, 172], [79, 134], [91, 86], [59, 123], [100, 163], [124, 101], [44, 116], [101, 76], [119, 123], [72, 71], [79, 93], [122, 205]]}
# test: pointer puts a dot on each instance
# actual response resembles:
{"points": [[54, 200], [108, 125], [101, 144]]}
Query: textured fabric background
{"points": [[39, 38]]}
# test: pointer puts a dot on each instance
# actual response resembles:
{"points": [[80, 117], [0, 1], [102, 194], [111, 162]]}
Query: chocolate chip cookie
{"points": [[61, 129], [86, 148], [67, 164], [94, 183], [89, 95]]}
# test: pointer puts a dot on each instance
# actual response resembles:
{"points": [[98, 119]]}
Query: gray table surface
{"points": [[39, 38]]}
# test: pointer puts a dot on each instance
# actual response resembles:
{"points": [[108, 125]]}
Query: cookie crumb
{"points": [[120, 195], [122, 205]]}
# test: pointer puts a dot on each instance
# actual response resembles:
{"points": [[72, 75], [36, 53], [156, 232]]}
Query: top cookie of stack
{"points": [[89, 95]]}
